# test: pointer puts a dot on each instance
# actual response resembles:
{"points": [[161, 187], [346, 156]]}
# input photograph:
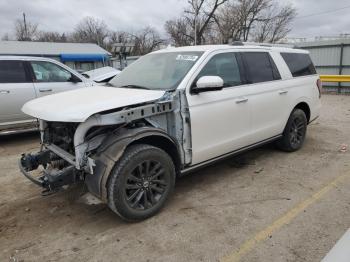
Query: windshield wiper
{"points": [[136, 87]]}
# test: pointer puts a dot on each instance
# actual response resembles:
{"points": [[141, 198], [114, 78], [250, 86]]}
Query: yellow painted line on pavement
{"points": [[285, 219]]}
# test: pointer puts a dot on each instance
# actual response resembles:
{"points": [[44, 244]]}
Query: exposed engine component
{"points": [[60, 134]]}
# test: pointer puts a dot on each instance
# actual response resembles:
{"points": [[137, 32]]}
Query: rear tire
{"points": [[294, 133], [141, 182]]}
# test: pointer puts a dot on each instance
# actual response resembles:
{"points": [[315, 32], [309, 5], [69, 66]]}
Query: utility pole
{"points": [[25, 26], [195, 22]]}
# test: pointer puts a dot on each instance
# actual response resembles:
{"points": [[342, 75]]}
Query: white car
{"points": [[170, 112], [25, 78]]}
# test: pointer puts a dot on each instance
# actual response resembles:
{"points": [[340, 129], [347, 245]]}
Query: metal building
{"points": [[79, 56], [331, 57]]}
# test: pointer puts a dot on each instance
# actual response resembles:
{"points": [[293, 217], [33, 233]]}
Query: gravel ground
{"points": [[265, 205]]}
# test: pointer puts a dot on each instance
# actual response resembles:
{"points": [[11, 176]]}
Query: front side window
{"points": [[157, 71], [299, 64], [224, 65], [259, 67], [12, 72], [49, 72]]}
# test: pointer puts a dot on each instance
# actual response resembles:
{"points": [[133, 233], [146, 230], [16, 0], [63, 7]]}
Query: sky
{"points": [[131, 15]]}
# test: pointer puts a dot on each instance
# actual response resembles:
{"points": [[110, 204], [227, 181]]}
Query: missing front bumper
{"points": [[50, 178]]}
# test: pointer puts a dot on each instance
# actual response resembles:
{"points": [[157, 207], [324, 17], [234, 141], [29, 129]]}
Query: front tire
{"points": [[294, 132], [141, 182]]}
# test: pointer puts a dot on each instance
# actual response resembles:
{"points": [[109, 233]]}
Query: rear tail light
{"points": [[319, 86]]}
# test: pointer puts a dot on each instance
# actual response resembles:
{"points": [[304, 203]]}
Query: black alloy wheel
{"points": [[295, 131], [141, 182], [145, 185]]}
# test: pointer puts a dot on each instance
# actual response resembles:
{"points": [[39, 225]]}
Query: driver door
{"points": [[50, 78], [220, 120]]}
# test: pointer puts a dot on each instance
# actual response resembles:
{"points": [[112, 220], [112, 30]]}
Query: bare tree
{"points": [[218, 21], [276, 24], [228, 22], [146, 40], [91, 30], [195, 21], [179, 31], [25, 31], [250, 12], [260, 20], [203, 16], [118, 37], [46, 36]]}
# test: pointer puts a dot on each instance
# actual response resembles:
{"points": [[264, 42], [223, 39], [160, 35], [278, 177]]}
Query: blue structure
{"points": [[79, 56], [84, 57]]}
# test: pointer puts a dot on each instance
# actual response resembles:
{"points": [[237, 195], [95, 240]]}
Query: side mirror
{"points": [[208, 83]]}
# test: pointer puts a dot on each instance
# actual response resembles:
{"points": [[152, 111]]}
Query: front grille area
{"points": [[61, 135]]}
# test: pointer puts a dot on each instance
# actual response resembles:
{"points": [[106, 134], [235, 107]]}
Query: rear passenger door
{"points": [[269, 97], [16, 88], [50, 78]]}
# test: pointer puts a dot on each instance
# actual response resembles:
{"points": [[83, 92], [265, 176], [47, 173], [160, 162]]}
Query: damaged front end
{"points": [[55, 161], [72, 152]]}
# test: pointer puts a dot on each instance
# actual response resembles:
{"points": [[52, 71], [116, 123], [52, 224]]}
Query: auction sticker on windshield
{"points": [[187, 57]]}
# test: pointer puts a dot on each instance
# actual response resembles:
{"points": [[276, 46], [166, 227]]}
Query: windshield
{"points": [[158, 71]]}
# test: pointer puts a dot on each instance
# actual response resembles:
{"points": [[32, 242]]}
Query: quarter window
{"points": [[12, 72], [299, 64], [259, 67], [225, 66], [49, 72]]}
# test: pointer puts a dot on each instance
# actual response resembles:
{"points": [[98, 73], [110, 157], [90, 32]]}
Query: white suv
{"points": [[25, 78], [170, 112]]}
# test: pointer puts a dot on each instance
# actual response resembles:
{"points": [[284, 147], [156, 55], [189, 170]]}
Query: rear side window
{"points": [[259, 67], [12, 72], [299, 64]]}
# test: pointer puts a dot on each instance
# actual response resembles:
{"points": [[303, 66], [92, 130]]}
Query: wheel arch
{"points": [[306, 108], [115, 145], [164, 143]]}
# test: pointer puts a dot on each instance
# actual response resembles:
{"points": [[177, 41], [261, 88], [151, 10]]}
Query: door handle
{"points": [[241, 100], [4, 91], [282, 92], [45, 90]]}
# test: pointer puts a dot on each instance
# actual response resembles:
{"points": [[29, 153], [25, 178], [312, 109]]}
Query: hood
{"points": [[78, 105], [101, 74]]}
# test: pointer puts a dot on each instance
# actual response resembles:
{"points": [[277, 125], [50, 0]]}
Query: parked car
{"points": [[171, 112], [101, 75], [25, 78]]}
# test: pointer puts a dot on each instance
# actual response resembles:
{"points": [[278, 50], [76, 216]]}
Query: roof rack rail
{"points": [[237, 43], [240, 43]]}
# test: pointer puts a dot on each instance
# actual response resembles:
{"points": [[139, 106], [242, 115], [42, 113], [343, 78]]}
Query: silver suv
{"points": [[25, 78]]}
